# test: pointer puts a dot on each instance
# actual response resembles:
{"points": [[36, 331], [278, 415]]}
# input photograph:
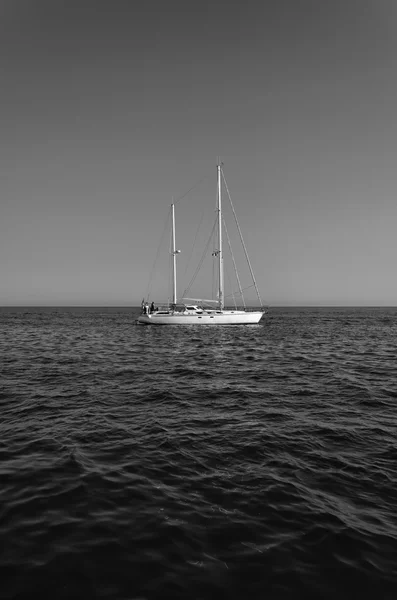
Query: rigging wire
{"points": [[244, 290], [200, 263], [230, 284], [194, 244], [191, 189], [149, 286], [242, 240], [235, 266]]}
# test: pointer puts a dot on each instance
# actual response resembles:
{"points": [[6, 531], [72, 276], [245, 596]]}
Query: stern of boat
{"points": [[143, 320]]}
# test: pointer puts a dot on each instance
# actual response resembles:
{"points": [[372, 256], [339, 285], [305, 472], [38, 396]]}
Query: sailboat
{"points": [[188, 311]]}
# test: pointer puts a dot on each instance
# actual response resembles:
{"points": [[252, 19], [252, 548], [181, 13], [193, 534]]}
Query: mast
{"points": [[174, 253], [220, 253]]}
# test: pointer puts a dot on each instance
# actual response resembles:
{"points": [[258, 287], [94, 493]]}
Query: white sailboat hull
{"points": [[222, 318]]}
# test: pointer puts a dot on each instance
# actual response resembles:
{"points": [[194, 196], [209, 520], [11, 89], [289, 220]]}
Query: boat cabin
{"points": [[192, 309]]}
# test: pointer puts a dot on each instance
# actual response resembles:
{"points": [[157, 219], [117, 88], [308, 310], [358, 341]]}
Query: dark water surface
{"points": [[234, 462]]}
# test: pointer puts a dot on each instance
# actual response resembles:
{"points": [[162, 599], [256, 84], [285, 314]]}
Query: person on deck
{"points": [[152, 307]]}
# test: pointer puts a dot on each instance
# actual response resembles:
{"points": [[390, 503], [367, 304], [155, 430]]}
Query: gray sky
{"points": [[110, 108]]}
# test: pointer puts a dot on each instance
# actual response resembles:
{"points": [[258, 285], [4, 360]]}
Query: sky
{"points": [[109, 109]]}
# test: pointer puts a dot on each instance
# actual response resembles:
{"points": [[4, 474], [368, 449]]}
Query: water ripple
{"points": [[197, 463]]}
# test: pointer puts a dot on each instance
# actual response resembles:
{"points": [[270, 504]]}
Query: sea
{"points": [[142, 463]]}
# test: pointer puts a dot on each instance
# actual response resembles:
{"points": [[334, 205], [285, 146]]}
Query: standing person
{"points": [[143, 305], [146, 308], [152, 307]]}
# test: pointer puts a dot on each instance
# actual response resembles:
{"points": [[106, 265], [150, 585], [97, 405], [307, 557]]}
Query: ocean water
{"points": [[234, 462]]}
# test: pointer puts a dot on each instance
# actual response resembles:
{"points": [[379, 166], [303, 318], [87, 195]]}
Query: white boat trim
{"points": [[237, 317]]}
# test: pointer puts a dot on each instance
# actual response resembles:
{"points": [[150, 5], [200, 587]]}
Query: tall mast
{"points": [[174, 253], [220, 253]]}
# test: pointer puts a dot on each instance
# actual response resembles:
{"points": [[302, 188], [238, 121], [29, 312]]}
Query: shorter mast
{"points": [[174, 253], [220, 253]]}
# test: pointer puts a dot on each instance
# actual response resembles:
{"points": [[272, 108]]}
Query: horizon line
{"points": [[268, 306]]}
